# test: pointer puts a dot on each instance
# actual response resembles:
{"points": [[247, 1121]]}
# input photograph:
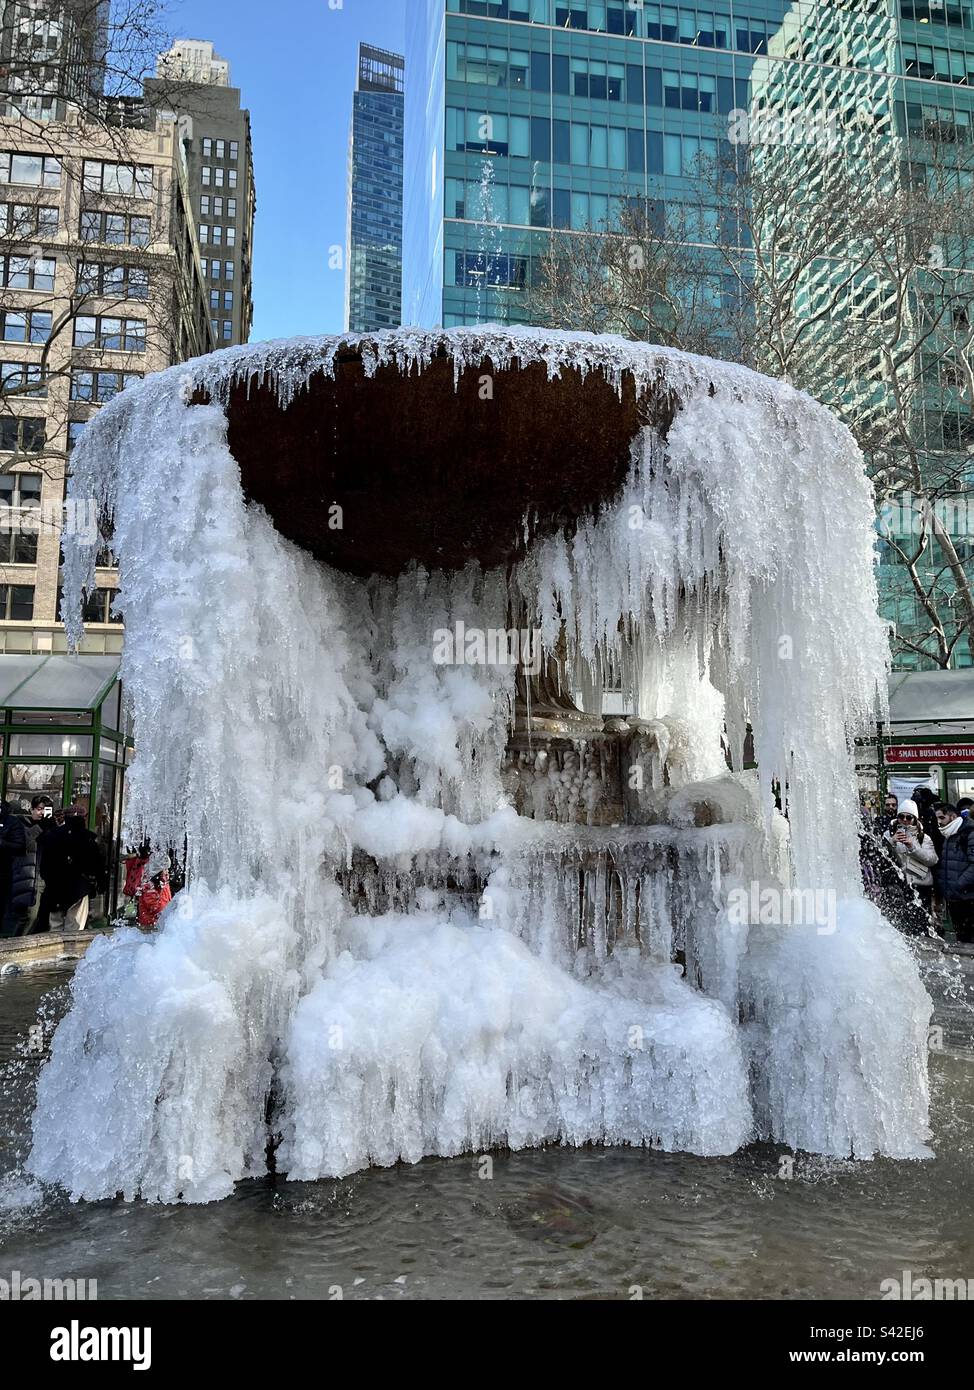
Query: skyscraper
{"points": [[52, 56], [530, 118], [194, 85], [373, 273], [194, 60]]}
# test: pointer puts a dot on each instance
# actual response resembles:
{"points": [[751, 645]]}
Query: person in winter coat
{"points": [[914, 850], [74, 863], [19, 836], [152, 896], [954, 875]]}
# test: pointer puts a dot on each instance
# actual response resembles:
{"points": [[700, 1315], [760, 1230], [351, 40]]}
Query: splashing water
{"points": [[391, 962]]}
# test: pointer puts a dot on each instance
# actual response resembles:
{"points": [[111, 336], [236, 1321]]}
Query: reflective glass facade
{"points": [[532, 115], [373, 284]]}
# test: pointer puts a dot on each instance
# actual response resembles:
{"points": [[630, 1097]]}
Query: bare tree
{"points": [[638, 276], [842, 268], [87, 56], [851, 279]]}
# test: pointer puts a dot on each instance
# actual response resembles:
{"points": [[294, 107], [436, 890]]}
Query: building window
{"points": [[221, 149], [205, 205], [216, 328], [27, 273], [231, 208], [98, 607], [109, 334], [214, 299], [233, 150], [22, 434], [98, 387], [232, 178], [218, 176], [228, 270], [22, 379], [23, 220], [75, 428], [207, 149], [16, 603], [35, 170], [114, 228], [132, 180], [113, 281], [20, 490], [228, 301], [206, 175], [20, 500], [227, 330], [231, 236], [25, 326]]}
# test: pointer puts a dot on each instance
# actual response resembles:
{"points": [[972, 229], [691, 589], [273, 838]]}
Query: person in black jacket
{"points": [[74, 866], [954, 874], [19, 836]]}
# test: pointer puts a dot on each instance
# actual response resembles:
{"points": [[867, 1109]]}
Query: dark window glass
{"points": [[560, 76], [561, 134], [17, 602], [637, 155], [654, 143], [561, 208], [540, 138], [540, 72]]}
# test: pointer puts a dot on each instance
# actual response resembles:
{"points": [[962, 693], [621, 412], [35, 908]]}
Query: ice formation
{"points": [[395, 943]]}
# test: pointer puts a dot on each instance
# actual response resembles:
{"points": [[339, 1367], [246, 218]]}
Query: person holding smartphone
{"points": [[914, 850]]}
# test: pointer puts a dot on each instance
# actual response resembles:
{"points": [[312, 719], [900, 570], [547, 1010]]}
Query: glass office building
{"points": [[526, 117], [373, 282]]}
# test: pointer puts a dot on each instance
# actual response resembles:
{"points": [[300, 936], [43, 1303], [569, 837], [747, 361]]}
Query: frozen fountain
{"points": [[440, 897]]}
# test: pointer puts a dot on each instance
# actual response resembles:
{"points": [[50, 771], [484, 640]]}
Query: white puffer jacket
{"points": [[916, 858]]}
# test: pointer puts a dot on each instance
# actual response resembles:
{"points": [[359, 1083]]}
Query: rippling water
{"points": [[556, 1223]]}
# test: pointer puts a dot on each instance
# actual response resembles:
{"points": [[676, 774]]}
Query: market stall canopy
{"points": [[56, 682], [918, 697]]}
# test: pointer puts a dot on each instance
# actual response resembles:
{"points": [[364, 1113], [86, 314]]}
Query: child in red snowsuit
{"points": [[151, 897]]}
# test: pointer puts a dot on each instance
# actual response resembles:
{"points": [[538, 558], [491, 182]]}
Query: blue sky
{"points": [[295, 63]]}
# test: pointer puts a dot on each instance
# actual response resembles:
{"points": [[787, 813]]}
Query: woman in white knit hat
{"points": [[914, 850]]}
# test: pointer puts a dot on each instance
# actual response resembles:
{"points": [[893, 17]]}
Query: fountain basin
{"points": [[434, 467]]}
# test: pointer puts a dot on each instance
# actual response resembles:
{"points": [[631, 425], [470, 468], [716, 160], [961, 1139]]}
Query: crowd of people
{"points": [[931, 844], [51, 866]]}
